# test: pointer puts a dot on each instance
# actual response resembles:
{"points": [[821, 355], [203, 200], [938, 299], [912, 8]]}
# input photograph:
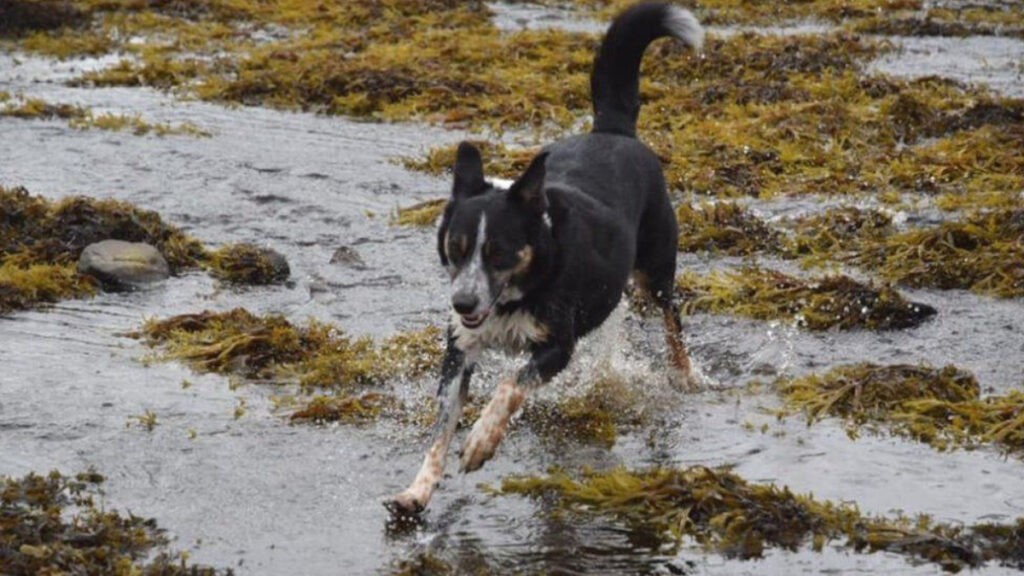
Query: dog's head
{"points": [[493, 242]]}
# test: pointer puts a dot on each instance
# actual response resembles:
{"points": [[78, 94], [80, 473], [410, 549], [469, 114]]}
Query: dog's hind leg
{"points": [[450, 400], [660, 288]]}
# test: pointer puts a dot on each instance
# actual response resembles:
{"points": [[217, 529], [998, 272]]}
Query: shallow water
{"points": [[269, 498]]}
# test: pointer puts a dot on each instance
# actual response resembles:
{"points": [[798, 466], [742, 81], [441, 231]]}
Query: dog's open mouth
{"points": [[473, 320]]}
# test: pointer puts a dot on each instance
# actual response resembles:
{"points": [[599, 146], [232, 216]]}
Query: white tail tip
{"points": [[685, 27]]}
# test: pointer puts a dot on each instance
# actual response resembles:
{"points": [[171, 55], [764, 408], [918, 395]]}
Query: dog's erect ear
{"points": [[529, 188], [469, 172]]}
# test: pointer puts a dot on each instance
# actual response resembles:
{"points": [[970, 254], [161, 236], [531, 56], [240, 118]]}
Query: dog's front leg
{"points": [[490, 427], [456, 364]]}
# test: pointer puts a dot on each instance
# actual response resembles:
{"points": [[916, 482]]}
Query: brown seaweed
{"points": [[830, 302], [941, 407]]}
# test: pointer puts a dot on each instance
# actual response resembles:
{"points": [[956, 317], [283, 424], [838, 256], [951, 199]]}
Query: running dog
{"points": [[541, 264]]}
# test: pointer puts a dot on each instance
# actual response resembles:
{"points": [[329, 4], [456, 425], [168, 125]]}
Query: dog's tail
{"points": [[615, 81]]}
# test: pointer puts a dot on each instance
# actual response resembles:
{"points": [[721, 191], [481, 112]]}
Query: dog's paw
{"points": [[685, 380], [479, 448], [407, 503]]}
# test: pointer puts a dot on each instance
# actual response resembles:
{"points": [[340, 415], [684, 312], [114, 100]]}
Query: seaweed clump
{"points": [[754, 115], [21, 17], [347, 409], [427, 564], [317, 356], [38, 230], [723, 12], [723, 227], [420, 214], [948, 22], [831, 302], [24, 287], [942, 407], [51, 525], [40, 242], [247, 264], [983, 253], [82, 118], [723, 512], [835, 232], [593, 417], [500, 160]]}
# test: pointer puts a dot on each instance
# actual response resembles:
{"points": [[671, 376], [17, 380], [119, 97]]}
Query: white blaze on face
{"points": [[472, 278]]}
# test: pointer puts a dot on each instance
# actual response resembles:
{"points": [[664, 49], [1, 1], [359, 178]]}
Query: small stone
{"points": [[120, 265], [348, 256]]}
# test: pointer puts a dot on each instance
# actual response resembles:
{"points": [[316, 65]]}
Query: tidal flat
{"points": [[849, 177]]}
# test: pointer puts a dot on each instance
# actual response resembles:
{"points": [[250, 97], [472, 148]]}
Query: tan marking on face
{"points": [[525, 259], [463, 241]]}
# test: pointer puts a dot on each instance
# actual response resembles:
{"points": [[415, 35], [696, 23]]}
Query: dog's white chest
{"points": [[512, 332]]}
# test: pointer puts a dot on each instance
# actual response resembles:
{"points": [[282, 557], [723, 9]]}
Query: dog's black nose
{"points": [[465, 302]]}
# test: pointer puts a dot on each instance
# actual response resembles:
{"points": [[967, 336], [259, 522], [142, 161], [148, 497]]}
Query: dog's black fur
{"points": [[545, 262]]}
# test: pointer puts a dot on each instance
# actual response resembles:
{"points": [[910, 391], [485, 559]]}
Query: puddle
{"points": [[522, 16], [990, 60], [267, 498]]}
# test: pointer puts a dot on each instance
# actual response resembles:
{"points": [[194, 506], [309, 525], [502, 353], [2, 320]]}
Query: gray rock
{"points": [[347, 256], [120, 265], [279, 264]]}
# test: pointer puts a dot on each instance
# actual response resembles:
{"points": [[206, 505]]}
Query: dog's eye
{"points": [[457, 249], [497, 256], [453, 253]]}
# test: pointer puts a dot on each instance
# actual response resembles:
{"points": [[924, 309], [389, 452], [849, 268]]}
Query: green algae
{"points": [[830, 302], [721, 511], [942, 407], [52, 525], [725, 228]]}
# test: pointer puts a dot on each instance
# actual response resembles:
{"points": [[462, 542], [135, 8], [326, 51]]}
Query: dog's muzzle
{"points": [[473, 320], [468, 311]]}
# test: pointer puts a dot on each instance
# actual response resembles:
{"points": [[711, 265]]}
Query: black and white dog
{"points": [[543, 263]]}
